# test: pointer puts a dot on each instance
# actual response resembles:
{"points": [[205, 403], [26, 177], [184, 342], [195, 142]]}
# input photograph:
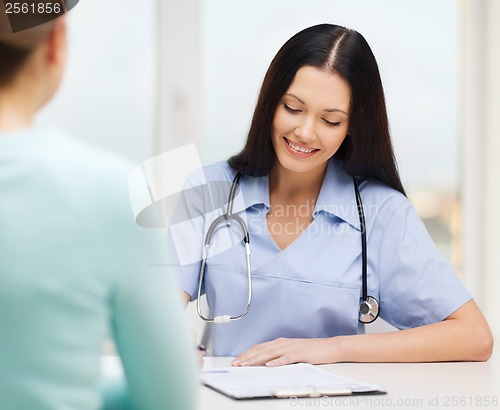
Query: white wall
{"points": [[492, 193], [108, 95], [481, 149], [179, 99]]}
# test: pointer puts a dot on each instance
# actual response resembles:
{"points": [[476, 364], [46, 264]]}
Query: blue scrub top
{"points": [[311, 289]]}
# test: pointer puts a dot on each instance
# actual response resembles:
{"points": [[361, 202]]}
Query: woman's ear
{"points": [[57, 43]]}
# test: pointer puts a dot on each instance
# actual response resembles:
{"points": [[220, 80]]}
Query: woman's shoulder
{"points": [[377, 194], [219, 171], [374, 193]]}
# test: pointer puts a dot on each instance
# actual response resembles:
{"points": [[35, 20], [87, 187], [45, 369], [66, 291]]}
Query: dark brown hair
{"points": [[11, 60], [16, 46], [367, 151]]}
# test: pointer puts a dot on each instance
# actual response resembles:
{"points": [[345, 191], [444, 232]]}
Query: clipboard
{"points": [[300, 380]]}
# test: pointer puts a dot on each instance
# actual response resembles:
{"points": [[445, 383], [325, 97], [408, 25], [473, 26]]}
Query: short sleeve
{"points": [[185, 233], [203, 199], [417, 285]]}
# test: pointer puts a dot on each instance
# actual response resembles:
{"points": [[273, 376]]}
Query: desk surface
{"points": [[408, 385], [465, 386]]}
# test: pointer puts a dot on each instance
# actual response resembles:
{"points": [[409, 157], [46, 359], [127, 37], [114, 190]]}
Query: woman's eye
{"points": [[331, 123], [290, 109]]}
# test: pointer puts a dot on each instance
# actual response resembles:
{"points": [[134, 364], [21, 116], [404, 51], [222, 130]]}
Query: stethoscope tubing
{"points": [[369, 307], [226, 219]]}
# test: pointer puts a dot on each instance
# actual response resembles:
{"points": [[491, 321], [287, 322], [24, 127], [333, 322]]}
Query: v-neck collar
{"points": [[336, 197]]}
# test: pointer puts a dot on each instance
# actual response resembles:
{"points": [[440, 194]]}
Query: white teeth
{"points": [[299, 149]]}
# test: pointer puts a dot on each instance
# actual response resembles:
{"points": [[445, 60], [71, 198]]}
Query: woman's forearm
{"points": [[464, 336]]}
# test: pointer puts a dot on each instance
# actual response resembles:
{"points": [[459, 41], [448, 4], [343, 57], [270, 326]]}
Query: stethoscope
{"points": [[369, 308]]}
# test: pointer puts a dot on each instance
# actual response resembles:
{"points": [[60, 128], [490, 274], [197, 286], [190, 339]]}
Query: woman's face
{"points": [[312, 120]]}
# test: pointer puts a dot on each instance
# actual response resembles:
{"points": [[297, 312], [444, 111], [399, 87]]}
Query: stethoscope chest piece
{"points": [[368, 310]]}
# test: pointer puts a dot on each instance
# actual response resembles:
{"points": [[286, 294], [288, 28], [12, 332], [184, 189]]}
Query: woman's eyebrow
{"points": [[297, 98], [335, 110], [327, 109]]}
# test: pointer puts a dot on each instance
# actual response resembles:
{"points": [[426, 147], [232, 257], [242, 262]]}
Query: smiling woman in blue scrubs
{"points": [[320, 120]]}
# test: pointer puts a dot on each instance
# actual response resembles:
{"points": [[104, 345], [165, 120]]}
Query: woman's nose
{"points": [[305, 130]]}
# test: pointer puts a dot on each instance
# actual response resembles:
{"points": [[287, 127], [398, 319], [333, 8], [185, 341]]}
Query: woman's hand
{"points": [[283, 351], [201, 355], [200, 349]]}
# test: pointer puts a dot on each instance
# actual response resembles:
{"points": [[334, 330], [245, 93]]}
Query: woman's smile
{"points": [[299, 150]]}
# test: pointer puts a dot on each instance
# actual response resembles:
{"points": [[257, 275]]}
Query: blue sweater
{"points": [[75, 270]]}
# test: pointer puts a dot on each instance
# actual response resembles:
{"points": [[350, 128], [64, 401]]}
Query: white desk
{"points": [[409, 386], [462, 386]]}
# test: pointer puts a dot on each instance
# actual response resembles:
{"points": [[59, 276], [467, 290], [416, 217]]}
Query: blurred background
{"points": [[146, 77]]}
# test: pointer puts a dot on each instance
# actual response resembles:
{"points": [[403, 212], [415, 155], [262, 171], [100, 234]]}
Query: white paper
{"points": [[285, 381]]}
